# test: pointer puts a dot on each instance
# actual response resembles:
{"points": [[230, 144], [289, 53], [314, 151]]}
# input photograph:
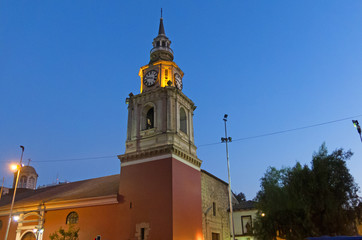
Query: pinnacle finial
{"points": [[161, 45], [161, 29]]}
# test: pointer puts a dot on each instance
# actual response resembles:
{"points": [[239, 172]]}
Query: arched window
{"points": [[23, 181], [150, 118], [72, 218], [28, 236], [31, 182], [183, 121]]}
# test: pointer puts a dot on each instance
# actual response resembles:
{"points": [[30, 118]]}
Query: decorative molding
{"points": [[146, 227], [161, 92], [145, 155], [134, 162], [65, 204]]}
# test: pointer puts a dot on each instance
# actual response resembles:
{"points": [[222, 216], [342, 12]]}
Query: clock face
{"points": [[178, 81], [150, 78]]}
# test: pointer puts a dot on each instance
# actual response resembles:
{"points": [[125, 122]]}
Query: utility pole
{"points": [[16, 184], [227, 139]]}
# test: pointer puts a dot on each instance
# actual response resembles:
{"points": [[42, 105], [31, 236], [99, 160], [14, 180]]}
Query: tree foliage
{"points": [[240, 197], [307, 201], [61, 234]]}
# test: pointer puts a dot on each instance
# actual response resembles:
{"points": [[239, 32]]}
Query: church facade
{"points": [[161, 192]]}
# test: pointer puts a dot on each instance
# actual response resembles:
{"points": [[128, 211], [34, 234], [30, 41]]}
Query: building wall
{"points": [[5, 191], [145, 193], [214, 190], [161, 196], [166, 198], [237, 216], [186, 203], [12, 231], [93, 221]]}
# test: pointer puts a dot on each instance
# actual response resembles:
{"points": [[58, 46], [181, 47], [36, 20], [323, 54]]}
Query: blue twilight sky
{"points": [[66, 68]]}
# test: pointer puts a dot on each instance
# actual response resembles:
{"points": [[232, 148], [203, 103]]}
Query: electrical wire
{"points": [[77, 159], [284, 131], [215, 143], [72, 159]]}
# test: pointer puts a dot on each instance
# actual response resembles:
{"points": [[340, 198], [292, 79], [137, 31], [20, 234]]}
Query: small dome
{"points": [[28, 170], [27, 178]]}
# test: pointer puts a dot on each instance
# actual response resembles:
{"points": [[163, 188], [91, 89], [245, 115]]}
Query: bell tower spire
{"points": [[161, 29], [161, 71], [161, 45]]}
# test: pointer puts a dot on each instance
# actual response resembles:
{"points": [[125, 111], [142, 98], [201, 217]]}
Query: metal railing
{"points": [[161, 48]]}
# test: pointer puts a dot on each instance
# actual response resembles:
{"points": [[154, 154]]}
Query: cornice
{"points": [[167, 149], [63, 204], [169, 63], [162, 91]]}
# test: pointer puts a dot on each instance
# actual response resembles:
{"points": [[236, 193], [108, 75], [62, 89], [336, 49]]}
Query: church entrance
{"points": [[29, 236]]}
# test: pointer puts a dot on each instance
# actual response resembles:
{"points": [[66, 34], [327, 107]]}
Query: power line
{"points": [[72, 159], [210, 144], [284, 131], [77, 159]]}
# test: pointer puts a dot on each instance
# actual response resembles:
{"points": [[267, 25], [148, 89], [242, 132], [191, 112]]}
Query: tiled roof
{"points": [[244, 205], [96, 187]]}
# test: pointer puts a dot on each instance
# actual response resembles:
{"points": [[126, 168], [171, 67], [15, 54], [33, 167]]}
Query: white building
{"points": [[244, 216]]}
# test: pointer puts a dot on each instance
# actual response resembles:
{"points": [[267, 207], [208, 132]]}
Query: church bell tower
{"points": [[160, 181], [161, 116]]}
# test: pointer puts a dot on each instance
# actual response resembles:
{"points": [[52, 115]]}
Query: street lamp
{"points": [[15, 187], [227, 139], [356, 125]]}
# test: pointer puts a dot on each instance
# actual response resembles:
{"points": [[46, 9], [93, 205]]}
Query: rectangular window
{"points": [[215, 236], [246, 224], [166, 74], [142, 233], [214, 208]]}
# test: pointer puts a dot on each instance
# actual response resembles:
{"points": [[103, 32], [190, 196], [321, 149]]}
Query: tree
{"points": [[307, 201], [70, 234], [240, 197]]}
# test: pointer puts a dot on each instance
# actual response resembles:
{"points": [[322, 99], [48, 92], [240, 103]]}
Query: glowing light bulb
{"points": [[14, 167]]}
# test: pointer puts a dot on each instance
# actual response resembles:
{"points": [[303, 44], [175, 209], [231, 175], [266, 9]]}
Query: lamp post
{"points": [[38, 231], [356, 124], [2, 188], [15, 187], [227, 139]]}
